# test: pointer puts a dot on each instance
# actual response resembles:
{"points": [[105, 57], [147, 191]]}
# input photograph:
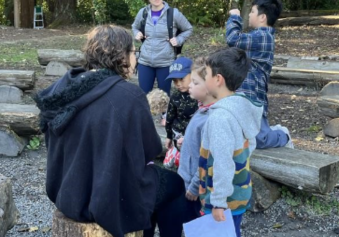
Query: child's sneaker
{"points": [[285, 130]]}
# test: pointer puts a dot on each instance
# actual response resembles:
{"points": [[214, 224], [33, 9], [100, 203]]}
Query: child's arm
{"points": [[234, 35], [221, 142]]}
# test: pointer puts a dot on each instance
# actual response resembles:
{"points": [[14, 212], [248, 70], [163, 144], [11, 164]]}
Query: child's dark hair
{"points": [[271, 8], [232, 63], [199, 65]]}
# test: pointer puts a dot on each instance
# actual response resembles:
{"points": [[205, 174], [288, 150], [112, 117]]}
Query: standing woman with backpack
{"points": [[162, 41]]}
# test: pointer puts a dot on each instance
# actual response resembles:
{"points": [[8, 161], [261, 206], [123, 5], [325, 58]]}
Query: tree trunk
{"points": [[64, 12], [73, 58], [304, 170], [234, 4], [299, 21], [301, 13], [298, 63], [305, 77], [22, 119], [63, 227], [22, 79], [245, 11]]}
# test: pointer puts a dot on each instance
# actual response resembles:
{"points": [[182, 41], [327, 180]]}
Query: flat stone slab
{"points": [[332, 128], [9, 214], [10, 94], [265, 193], [10, 143], [328, 102], [57, 68]]}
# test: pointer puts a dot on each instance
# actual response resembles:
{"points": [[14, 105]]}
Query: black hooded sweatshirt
{"points": [[100, 136]]}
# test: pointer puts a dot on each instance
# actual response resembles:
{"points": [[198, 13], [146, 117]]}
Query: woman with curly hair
{"points": [[101, 139]]}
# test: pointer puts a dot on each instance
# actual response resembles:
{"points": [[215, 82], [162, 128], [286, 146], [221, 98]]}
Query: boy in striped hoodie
{"points": [[228, 139]]}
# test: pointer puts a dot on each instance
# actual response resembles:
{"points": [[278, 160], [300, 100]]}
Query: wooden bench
{"points": [[309, 171], [65, 227], [24, 80], [74, 58]]}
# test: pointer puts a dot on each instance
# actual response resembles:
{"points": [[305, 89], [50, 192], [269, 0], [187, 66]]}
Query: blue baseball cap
{"points": [[180, 68]]}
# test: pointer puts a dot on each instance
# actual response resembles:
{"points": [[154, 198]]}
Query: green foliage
{"points": [[34, 143], [100, 11], [312, 204], [134, 6], [85, 11], [314, 129]]}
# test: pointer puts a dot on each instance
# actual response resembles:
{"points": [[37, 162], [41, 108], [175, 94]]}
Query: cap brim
{"points": [[176, 75]]}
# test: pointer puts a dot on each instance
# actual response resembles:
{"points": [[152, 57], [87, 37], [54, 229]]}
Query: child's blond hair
{"points": [[158, 101], [199, 65]]}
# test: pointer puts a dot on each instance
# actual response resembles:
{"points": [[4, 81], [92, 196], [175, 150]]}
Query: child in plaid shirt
{"points": [[259, 46]]}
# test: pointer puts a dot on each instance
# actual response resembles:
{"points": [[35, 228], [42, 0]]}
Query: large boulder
{"points": [[332, 128], [10, 94], [57, 68], [265, 193], [9, 214], [328, 102], [10, 143]]}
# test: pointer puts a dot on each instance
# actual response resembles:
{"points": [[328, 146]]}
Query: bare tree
{"points": [[64, 12], [245, 11]]}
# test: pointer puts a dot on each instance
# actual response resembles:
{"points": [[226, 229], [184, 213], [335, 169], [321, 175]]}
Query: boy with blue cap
{"points": [[181, 107]]}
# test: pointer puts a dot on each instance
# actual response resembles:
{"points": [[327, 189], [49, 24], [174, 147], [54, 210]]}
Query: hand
{"points": [[190, 196], [168, 143], [218, 214], [174, 41], [139, 36], [179, 142], [234, 12]]}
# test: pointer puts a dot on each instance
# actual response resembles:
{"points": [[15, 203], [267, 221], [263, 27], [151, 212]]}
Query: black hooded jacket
{"points": [[100, 136]]}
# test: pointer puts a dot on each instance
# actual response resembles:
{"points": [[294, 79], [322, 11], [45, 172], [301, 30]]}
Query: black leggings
{"points": [[172, 208]]}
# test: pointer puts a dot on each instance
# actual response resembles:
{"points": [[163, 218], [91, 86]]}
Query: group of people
{"points": [[101, 138]]}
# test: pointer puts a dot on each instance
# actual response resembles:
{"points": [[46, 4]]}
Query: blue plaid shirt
{"points": [[259, 46]]}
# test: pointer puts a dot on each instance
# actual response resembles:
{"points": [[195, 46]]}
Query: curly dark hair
{"points": [[108, 47]]}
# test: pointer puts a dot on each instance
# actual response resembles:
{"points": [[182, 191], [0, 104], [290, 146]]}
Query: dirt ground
{"points": [[292, 106]]}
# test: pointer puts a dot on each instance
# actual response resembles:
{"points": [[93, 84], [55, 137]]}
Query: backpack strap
{"points": [[170, 13], [143, 23]]}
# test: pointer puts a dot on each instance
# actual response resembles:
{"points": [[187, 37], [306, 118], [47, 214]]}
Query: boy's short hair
{"points": [[232, 63], [271, 8], [199, 65]]}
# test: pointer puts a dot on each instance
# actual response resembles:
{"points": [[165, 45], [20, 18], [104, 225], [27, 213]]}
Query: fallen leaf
{"points": [[33, 229], [45, 229], [291, 214], [277, 225], [23, 229]]}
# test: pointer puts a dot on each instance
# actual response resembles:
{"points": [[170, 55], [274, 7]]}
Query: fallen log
{"points": [[309, 171], [74, 58], [305, 77], [328, 101], [312, 64], [19, 78], [304, 170], [22, 119], [63, 227], [300, 21], [301, 13]]}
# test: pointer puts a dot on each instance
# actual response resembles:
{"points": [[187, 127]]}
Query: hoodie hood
{"points": [[60, 102], [247, 113]]}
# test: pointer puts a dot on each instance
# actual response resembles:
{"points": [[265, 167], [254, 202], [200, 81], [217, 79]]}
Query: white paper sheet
{"points": [[206, 226]]}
